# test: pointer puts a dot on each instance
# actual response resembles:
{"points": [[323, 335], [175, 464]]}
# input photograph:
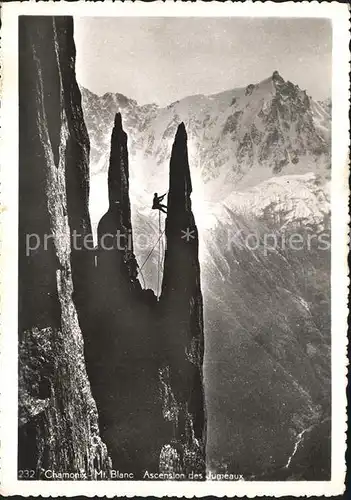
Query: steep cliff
{"points": [[115, 227], [181, 303], [58, 421], [144, 358], [123, 341], [145, 375]]}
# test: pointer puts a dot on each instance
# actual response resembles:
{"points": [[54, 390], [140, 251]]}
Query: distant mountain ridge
{"points": [[237, 138]]}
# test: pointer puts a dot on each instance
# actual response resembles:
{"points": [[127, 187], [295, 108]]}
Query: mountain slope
{"points": [[267, 323]]}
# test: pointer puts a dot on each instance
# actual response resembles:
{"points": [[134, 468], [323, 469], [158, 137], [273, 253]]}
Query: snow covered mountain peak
{"points": [[287, 201], [237, 139], [240, 136]]}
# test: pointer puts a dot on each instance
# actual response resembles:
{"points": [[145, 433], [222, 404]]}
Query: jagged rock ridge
{"points": [[181, 303], [146, 374], [116, 223], [58, 421]]}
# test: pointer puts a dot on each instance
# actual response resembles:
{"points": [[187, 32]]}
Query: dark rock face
{"points": [[122, 340], [115, 227], [144, 357], [181, 303], [118, 180], [58, 422]]}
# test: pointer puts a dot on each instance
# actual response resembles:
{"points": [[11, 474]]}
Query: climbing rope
{"points": [[159, 253], [163, 254], [140, 271], [162, 243], [152, 249]]}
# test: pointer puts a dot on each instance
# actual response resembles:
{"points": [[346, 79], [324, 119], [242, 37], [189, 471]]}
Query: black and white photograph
{"points": [[175, 280]]}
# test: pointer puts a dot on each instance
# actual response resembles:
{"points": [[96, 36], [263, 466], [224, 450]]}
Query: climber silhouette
{"points": [[157, 205]]}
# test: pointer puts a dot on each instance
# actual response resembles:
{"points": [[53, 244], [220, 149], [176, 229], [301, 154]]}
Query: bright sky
{"points": [[164, 59]]}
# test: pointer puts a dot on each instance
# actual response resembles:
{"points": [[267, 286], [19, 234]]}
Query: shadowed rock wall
{"points": [[182, 310], [58, 421], [143, 356]]}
